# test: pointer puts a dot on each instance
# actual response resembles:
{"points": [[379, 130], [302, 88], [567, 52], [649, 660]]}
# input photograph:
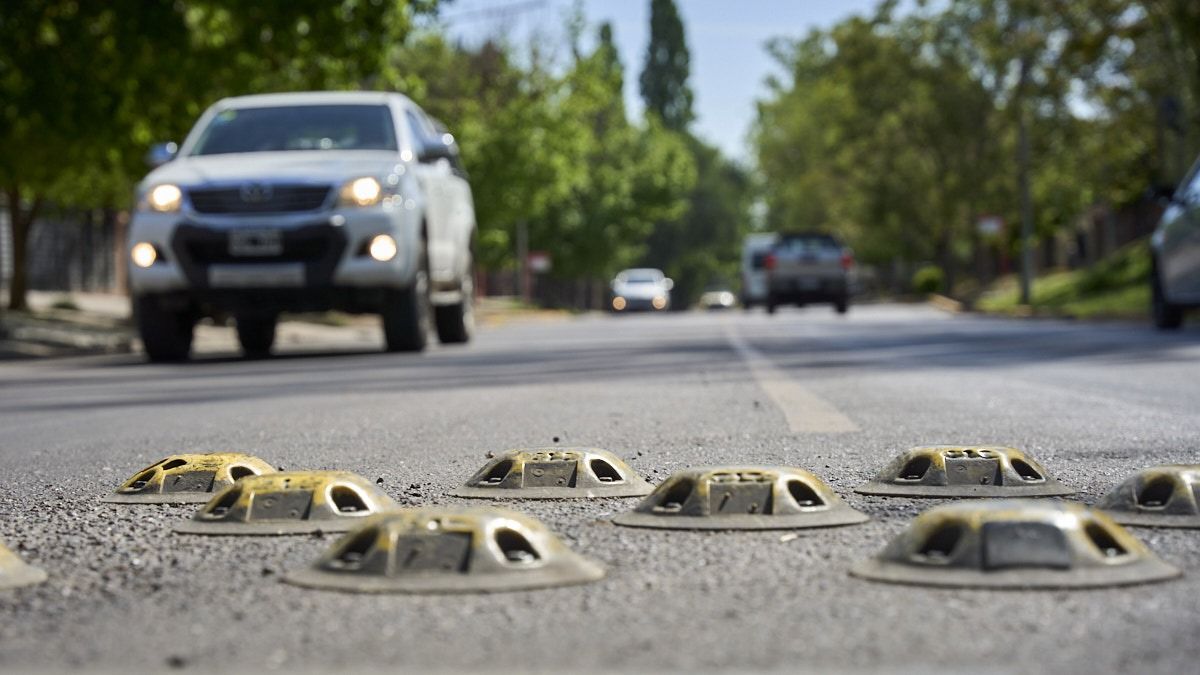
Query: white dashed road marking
{"points": [[805, 411]]}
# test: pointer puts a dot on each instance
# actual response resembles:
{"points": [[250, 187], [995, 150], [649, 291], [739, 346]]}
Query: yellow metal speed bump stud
{"points": [[447, 550], [15, 573], [1017, 543], [290, 502], [1162, 496], [555, 473], [741, 498], [187, 479], [964, 471]]}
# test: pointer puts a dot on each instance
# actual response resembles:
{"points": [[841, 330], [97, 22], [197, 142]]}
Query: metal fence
{"points": [[69, 250]]}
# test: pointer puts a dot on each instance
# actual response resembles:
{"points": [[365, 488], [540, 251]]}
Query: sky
{"points": [[726, 39]]}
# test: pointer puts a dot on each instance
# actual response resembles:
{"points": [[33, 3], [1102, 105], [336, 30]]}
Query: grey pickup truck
{"points": [[808, 267]]}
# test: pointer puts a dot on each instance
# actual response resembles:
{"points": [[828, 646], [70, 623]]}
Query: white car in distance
{"points": [[350, 201], [642, 289]]}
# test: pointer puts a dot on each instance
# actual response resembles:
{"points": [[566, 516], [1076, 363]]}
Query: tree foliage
{"points": [[900, 131], [664, 81]]}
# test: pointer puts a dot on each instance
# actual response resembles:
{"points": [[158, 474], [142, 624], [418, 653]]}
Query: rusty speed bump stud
{"points": [[555, 473], [15, 573], [1162, 496], [964, 471], [447, 550], [741, 498], [1015, 543], [290, 502], [187, 479]]}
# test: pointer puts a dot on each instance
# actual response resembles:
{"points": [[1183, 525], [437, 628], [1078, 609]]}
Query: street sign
{"points": [[990, 225], [538, 261]]}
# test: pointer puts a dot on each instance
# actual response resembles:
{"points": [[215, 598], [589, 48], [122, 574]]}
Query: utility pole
{"points": [[523, 261], [1023, 184]]}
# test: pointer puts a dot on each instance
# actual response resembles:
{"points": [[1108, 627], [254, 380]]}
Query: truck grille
{"points": [[306, 244], [259, 198]]}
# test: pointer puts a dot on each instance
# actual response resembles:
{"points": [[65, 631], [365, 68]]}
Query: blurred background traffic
{"points": [[1012, 156]]}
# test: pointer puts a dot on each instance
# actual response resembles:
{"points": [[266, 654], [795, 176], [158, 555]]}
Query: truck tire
{"points": [[456, 323], [841, 305], [166, 335], [1166, 315], [772, 304], [256, 334], [405, 313]]}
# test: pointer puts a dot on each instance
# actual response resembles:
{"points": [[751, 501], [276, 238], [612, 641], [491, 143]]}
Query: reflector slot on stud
{"points": [[804, 495]]}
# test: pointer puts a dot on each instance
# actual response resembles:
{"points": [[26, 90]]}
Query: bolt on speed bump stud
{"points": [[1161, 496], [447, 550], [15, 573], [741, 498], [1015, 543], [187, 479], [964, 471], [554, 473], [289, 502]]}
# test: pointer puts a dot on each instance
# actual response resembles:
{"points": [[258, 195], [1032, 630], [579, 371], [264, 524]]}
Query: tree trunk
{"points": [[20, 224]]}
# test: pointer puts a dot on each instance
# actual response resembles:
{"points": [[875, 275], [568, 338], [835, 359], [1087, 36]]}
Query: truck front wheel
{"points": [[256, 334], [456, 323], [1166, 315], [406, 314], [166, 334]]}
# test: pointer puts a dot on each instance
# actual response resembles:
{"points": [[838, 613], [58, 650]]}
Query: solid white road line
{"points": [[805, 411]]}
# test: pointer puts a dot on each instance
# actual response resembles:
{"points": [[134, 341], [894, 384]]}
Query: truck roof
{"points": [[311, 98]]}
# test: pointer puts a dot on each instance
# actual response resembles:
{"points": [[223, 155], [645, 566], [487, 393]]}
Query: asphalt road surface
{"points": [[836, 395]]}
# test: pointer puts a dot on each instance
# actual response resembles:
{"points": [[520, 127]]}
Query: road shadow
{"points": [[704, 353]]}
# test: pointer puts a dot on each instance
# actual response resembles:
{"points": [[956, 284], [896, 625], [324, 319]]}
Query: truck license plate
{"points": [[257, 242], [242, 275]]}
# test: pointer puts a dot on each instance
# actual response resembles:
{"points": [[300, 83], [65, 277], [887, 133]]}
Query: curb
{"points": [[35, 337], [949, 305]]}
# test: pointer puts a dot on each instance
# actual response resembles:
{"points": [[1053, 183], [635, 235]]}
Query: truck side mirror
{"points": [[161, 153], [1167, 195], [432, 152], [668, 284]]}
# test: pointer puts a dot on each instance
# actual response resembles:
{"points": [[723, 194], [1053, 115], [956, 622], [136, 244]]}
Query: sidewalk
{"points": [[65, 324], [61, 324]]}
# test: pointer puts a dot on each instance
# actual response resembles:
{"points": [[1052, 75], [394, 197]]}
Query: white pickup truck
{"points": [[351, 201]]}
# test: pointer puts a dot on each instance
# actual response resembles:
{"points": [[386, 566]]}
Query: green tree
{"points": [[701, 245], [664, 80], [880, 136]]}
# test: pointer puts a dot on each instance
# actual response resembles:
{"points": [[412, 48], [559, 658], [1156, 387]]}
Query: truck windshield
{"points": [[645, 278], [808, 244], [298, 127]]}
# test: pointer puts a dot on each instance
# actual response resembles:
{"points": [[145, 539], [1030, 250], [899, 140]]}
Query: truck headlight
{"points": [[659, 302], [165, 198], [364, 191], [382, 248], [143, 254]]}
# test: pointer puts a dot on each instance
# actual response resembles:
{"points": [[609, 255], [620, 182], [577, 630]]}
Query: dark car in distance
{"points": [[809, 267]]}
